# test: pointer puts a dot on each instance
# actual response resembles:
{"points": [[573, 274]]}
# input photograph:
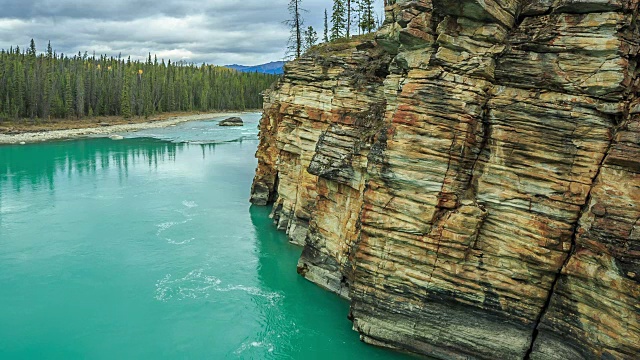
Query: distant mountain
{"points": [[276, 67]]}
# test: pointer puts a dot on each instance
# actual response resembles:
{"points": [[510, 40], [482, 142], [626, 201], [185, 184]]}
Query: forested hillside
{"points": [[48, 85]]}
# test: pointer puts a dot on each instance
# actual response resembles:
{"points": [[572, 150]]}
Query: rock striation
{"points": [[470, 179]]}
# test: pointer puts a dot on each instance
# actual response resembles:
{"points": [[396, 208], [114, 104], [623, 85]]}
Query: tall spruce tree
{"points": [[68, 97], [338, 20], [357, 14], [326, 27], [348, 18], [367, 21], [49, 51], [79, 94], [125, 99], [296, 22], [32, 49]]}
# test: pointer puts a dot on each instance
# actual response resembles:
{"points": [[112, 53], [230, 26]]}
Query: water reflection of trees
{"points": [[38, 164], [208, 149]]}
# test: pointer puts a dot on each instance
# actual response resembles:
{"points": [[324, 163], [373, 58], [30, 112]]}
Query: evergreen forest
{"points": [[52, 86]]}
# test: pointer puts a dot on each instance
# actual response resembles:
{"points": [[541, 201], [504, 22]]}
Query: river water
{"points": [[147, 248]]}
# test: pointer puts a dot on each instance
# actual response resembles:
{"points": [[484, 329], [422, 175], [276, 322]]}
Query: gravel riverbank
{"points": [[32, 137]]}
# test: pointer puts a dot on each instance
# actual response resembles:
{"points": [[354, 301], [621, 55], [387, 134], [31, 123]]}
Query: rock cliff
{"points": [[470, 179]]}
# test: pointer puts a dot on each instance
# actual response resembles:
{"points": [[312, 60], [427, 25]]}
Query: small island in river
{"points": [[232, 121]]}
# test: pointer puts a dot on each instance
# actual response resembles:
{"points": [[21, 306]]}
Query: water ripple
{"points": [[198, 285], [189, 204], [254, 344], [168, 225]]}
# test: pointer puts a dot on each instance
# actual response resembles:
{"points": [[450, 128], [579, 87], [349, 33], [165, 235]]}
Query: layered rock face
{"points": [[470, 180]]}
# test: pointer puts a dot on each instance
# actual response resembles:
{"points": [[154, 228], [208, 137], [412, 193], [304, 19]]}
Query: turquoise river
{"points": [[147, 248]]}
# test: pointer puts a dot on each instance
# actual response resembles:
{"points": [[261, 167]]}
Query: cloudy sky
{"points": [[219, 32]]}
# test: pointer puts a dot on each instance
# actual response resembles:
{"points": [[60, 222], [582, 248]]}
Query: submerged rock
{"points": [[471, 182], [232, 121]]}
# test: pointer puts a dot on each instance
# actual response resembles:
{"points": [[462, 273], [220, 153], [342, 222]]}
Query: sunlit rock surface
{"points": [[470, 180]]}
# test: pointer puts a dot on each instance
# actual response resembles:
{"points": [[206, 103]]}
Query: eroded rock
{"points": [[470, 181]]}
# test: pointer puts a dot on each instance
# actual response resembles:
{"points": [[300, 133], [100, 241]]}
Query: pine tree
{"points": [[19, 89], [48, 89], [326, 27], [348, 19], [338, 20], [310, 38], [79, 95], [367, 20], [296, 41], [125, 99], [68, 97], [32, 87], [32, 49], [171, 98]]}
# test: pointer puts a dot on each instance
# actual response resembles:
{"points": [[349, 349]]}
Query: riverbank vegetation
{"points": [[50, 86]]}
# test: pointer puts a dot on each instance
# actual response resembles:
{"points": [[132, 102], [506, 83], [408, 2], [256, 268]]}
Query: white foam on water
{"points": [[254, 344], [196, 285], [189, 204], [163, 227], [273, 297], [168, 225], [184, 242]]}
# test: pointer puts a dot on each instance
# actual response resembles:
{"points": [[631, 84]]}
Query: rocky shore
{"points": [[105, 131], [471, 179]]}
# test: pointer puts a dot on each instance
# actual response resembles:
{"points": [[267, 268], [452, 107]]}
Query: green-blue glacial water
{"points": [[147, 248]]}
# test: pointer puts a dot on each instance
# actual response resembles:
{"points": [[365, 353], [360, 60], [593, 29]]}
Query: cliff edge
{"points": [[470, 179]]}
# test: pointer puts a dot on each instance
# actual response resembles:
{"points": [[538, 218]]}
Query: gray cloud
{"points": [[212, 31]]}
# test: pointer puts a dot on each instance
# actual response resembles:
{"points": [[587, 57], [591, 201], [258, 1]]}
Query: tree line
{"points": [[345, 16], [48, 85]]}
